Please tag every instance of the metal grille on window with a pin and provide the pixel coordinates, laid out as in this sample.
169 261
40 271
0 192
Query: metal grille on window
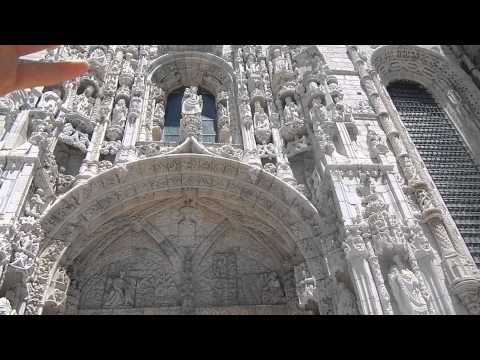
446 157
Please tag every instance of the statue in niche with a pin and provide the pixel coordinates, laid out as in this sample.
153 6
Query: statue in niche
35 205
74 138
119 114
246 114
346 304
159 115
192 105
119 118
261 123
424 199
121 292
280 64
85 101
64 181
293 128
224 132
6 308
375 144
406 289
252 66
291 110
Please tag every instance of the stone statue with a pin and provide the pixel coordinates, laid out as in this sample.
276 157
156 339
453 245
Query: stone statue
6 308
376 144
192 103
280 64
262 125
424 199
120 293
319 111
74 138
119 114
159 115
35 205
252 66
119 118
406 289
346 304
64 181
294 127
290 110
85 101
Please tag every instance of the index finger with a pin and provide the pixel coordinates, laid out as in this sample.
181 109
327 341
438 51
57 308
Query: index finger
29 49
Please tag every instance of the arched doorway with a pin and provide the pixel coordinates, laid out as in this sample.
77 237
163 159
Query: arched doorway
181 233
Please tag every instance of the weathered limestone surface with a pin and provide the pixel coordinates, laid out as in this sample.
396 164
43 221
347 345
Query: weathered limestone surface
312 200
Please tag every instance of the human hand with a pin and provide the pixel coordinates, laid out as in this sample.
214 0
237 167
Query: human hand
16 75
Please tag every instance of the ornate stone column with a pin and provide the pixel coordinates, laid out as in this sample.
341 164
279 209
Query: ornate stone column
357 256
246 118
136 111
459 270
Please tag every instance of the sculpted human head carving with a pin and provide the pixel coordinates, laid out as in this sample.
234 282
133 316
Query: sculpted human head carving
89 90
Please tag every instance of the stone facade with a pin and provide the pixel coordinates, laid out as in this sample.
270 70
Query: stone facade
312 200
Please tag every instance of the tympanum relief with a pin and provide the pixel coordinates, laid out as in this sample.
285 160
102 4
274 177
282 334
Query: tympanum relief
145 267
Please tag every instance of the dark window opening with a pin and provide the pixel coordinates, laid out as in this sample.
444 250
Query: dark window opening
446 157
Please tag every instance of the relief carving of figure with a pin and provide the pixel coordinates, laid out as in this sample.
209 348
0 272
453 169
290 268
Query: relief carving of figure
121 292
346 304
262 125
406 289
